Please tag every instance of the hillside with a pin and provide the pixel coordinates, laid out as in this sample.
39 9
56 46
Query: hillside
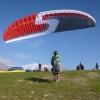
3 66
73 85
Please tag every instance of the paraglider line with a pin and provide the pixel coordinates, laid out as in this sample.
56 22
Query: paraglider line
72 41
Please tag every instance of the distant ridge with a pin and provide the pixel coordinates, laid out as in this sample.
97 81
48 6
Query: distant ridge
35 66
3 66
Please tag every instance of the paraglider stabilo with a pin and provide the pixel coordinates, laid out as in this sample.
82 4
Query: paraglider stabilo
47 22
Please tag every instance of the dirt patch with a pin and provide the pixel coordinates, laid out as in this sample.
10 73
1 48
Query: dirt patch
20 80
93 75
80 81
4 97
93 96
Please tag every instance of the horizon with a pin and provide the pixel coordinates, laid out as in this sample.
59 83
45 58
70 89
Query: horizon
74 46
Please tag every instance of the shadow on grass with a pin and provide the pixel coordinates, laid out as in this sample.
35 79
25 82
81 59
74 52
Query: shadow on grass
38 80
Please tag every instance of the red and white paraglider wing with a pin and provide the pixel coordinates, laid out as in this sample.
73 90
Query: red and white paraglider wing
47 22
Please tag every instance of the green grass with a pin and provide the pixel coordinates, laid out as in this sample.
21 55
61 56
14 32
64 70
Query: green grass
73 85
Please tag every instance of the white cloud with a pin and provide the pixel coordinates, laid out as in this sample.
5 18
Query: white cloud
36 43
35 66
8 62
19 55
30 66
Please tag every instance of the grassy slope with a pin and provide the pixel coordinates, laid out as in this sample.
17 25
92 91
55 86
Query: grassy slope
74 85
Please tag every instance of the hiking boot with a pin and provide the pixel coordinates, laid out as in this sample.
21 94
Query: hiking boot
57 80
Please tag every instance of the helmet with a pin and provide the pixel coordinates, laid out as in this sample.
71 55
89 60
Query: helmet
55 53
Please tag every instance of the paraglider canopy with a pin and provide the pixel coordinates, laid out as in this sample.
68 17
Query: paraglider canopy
47 22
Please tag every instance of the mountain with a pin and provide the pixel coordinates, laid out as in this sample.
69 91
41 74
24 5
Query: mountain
3 66
35 66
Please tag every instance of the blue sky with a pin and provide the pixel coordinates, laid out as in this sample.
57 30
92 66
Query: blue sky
81 45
